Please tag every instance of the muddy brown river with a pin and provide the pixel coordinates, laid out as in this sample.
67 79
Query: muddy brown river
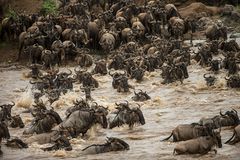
170 105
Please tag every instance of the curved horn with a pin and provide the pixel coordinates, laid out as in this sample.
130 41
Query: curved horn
13 104
133 68
39 76
227 78
135 92
138 105
31 82
95 103
220 59
221 113
235 111
127 102
204 76
70 72
75 69
125 73
85 4
110 73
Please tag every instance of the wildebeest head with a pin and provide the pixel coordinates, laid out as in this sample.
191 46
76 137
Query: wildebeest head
16 143
61 142
53 95
6 111
89 81
16 121
140 96
64 75
126 115
80 74
122 105
233 114
100 118
217 138
210 80
112 144
4 132
117 144
140 115
117 63
137 73
116 76
35 70
215 64
100 108
233 81
84 60
123 86
101 68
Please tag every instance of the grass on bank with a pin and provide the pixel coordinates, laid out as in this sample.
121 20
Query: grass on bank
49 7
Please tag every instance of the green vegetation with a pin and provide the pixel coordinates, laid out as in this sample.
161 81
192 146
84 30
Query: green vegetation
49 7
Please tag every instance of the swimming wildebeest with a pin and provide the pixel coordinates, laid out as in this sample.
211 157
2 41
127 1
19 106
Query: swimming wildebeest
185 132
200 145
112 144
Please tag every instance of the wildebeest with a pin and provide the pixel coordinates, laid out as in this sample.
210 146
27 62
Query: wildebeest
112 144
4 133
229 118
100 68
233 81
235 137
6 110
44 121
16 143
127 115
140 96
185 132
16 121
120 81
82 120
210 80
200 145
60 143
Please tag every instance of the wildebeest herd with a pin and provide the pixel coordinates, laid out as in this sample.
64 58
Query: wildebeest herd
134 39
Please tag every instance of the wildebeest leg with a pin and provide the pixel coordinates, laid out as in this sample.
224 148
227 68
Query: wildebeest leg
234 141
228 141
215 151
20 52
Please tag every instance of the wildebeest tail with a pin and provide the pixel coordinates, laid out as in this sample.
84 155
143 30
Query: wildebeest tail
167 137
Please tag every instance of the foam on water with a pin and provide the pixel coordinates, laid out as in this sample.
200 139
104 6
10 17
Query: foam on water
60 153
25 100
